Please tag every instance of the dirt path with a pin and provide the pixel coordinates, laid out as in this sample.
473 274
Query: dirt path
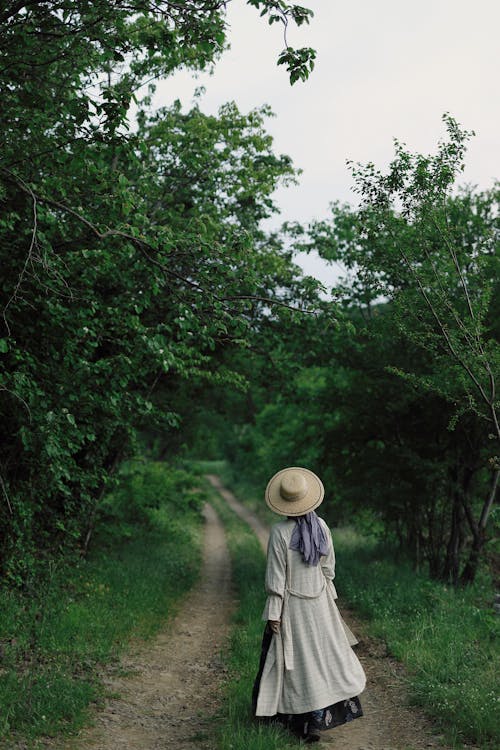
388 722
261 530
166 690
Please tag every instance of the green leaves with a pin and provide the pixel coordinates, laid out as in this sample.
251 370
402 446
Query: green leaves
132 258
299 62
426 275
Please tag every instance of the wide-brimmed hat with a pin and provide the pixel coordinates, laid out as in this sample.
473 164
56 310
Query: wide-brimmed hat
294 491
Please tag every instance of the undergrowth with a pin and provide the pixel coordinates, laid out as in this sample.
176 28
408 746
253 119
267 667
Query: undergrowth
56 632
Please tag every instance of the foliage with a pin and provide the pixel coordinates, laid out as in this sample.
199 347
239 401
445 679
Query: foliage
152 495
55 637
141 39
392 402
299 62
432 253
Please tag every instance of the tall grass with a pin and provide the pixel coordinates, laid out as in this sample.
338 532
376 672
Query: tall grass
56 634
447 638
238 730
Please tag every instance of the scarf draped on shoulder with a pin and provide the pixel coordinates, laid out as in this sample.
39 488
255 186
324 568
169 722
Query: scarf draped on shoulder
309 538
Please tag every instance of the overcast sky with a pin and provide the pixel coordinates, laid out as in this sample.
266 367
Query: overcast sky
384 69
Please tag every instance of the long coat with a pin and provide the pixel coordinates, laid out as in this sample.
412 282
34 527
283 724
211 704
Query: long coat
310 664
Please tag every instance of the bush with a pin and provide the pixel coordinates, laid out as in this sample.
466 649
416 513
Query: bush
152 495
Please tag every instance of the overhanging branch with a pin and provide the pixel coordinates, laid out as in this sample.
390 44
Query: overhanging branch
144 247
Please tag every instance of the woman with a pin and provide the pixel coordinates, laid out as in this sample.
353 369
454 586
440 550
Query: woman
309 676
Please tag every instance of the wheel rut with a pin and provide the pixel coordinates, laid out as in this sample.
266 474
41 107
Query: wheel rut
167 690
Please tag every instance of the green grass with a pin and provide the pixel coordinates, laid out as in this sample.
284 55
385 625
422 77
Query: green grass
55 636
238 730
448 639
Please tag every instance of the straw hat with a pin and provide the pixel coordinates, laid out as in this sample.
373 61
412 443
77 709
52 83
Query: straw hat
294 491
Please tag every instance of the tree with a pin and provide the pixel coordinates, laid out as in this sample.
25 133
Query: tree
432 254
127 256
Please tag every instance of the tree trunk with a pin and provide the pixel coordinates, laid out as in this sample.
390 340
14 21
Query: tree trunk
470 569
113 464
452 560
478 532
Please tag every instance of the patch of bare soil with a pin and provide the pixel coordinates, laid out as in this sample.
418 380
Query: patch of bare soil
167 690
389 723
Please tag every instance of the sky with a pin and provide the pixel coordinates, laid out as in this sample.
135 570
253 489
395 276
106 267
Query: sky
384 69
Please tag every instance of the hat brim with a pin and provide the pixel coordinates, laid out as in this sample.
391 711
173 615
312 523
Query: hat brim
311 500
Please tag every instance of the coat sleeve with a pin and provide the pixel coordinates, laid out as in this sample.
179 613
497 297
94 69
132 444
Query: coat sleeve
275 576
328 561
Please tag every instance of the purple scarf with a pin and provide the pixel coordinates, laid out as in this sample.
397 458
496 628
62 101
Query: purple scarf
309 538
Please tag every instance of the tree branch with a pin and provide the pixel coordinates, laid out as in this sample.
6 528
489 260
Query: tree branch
483 519
30 192
144 247
444 332
6 495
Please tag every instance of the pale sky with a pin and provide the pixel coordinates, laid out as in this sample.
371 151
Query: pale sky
384 69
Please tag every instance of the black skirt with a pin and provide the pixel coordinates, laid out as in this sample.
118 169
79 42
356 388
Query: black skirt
325 717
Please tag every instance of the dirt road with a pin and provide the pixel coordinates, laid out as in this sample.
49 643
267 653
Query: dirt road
167 689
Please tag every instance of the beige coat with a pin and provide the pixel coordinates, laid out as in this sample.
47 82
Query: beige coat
310 663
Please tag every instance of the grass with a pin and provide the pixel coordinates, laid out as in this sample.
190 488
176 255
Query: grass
237 729
55 636
447 638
